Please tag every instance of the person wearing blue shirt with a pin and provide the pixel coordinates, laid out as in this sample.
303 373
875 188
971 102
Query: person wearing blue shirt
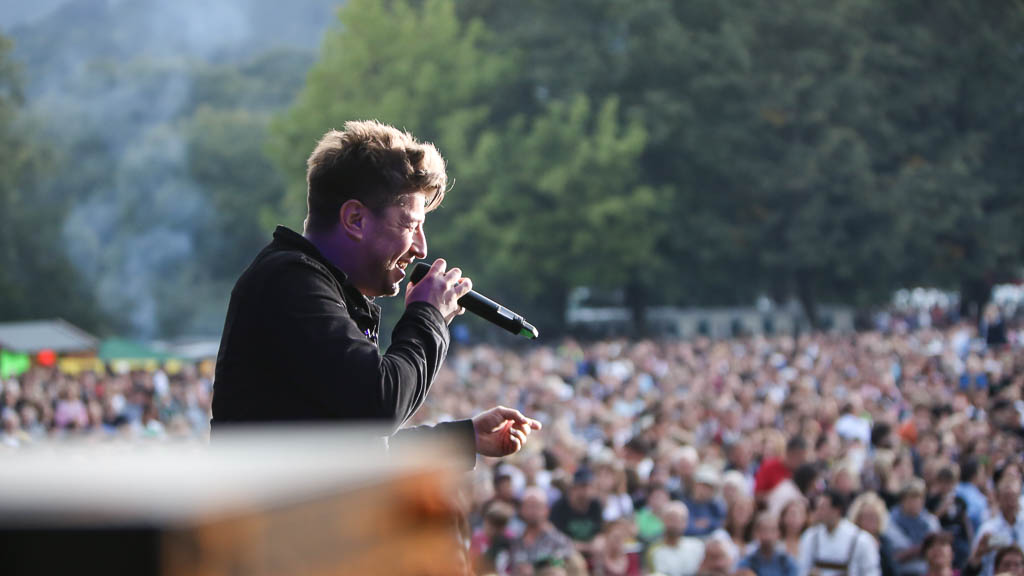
909 525
706 514
972 474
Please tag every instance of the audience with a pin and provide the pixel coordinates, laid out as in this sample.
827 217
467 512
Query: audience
657 456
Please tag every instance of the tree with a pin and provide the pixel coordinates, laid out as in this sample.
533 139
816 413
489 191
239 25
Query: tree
562 204
121 94
955 170
414 66
810 146
36 279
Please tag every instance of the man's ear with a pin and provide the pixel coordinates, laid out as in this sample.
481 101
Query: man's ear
352 218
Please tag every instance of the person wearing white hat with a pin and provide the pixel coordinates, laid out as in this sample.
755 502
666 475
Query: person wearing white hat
706 513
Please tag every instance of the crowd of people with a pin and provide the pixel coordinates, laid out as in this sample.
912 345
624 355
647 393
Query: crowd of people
45 403
881 453
874 453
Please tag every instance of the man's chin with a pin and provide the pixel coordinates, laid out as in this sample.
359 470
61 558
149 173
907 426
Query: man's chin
385 291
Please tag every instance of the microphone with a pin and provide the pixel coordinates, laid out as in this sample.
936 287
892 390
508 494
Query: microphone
485 308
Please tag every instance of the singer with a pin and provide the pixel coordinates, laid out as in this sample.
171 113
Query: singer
300 338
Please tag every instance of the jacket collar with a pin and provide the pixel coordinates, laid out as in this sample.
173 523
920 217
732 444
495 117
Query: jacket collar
365 312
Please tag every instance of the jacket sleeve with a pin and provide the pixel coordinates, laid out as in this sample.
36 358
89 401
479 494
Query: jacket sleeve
335 365
459 434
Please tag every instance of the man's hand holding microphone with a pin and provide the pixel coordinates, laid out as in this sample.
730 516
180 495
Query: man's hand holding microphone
440 288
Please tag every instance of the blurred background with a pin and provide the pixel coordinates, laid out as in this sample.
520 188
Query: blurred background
676 154
725 218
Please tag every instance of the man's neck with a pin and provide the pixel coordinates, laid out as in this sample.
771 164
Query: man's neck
832 527
333 251
328 247
672 539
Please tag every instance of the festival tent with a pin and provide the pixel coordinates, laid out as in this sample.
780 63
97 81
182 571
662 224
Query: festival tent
38 336
44 340
123 355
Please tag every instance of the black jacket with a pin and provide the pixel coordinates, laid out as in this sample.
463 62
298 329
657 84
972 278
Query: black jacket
300 345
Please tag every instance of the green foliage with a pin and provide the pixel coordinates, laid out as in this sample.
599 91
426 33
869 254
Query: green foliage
154 117
806 143
567 178
36 279
688 153
956 141
412 66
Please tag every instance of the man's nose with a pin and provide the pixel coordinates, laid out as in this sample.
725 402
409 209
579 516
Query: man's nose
419 244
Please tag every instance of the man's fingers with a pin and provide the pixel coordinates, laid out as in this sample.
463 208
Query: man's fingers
512 414
463 287
438 267
519 418
525 428
529 424
502 425
519 439
516 436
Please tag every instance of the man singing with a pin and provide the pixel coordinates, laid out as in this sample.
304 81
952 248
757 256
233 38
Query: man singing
300 338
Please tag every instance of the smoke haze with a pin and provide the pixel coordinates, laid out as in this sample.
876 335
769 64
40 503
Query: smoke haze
117 85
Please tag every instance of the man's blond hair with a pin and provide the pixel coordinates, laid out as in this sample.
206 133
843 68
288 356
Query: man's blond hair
373 163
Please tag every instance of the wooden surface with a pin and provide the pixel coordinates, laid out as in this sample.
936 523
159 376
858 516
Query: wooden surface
281 501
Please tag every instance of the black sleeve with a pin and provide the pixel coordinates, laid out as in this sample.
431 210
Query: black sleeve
336 365
459 433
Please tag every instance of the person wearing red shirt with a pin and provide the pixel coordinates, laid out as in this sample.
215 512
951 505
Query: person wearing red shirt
774 470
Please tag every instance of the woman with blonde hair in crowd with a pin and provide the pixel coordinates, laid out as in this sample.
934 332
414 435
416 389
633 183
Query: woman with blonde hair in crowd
869 513
792 523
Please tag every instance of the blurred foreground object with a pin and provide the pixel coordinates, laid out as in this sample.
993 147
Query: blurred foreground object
272 501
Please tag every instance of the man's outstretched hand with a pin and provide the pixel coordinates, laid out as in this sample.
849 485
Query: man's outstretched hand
502 431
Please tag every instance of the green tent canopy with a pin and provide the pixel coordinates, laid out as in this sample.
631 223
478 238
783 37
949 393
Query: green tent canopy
122 349
13 364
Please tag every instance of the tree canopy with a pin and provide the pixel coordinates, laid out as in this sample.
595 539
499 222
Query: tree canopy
697 153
